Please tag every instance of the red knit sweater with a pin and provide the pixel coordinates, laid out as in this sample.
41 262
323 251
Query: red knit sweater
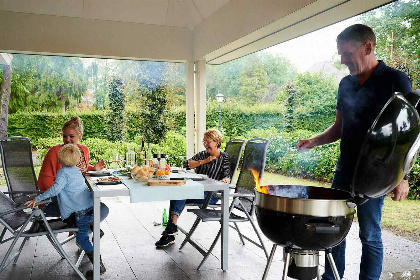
50 166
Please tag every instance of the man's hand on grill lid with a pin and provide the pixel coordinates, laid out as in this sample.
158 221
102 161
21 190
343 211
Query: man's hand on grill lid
400 191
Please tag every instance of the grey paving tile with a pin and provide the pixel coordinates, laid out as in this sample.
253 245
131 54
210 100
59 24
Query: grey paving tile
128 251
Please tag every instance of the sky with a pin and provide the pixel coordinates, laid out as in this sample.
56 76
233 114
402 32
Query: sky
312 48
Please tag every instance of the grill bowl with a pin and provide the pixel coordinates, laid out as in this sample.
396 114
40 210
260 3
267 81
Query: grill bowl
306 217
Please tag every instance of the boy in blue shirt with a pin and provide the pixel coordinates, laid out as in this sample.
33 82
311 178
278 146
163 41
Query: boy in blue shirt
73 197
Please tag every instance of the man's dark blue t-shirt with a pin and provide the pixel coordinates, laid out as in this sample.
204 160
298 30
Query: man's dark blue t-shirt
360 105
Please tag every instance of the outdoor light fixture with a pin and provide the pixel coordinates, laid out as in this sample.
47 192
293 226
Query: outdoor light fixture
220 98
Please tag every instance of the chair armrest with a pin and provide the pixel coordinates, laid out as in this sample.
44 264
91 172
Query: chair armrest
20 208
48 200
23 192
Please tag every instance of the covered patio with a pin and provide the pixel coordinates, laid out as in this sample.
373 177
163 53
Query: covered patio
195 32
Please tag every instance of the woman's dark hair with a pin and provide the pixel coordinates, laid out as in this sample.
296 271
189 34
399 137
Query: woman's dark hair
358 33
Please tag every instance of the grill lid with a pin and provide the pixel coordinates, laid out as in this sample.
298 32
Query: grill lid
389 149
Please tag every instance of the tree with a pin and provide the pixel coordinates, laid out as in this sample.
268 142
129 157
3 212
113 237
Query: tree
5 96
153 116
397 28
116 118
225 78
279 69
253 82
310 102
47 83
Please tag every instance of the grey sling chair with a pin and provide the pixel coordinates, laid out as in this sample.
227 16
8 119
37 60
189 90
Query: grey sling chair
242 207
16 157
15 220
18 169
234 150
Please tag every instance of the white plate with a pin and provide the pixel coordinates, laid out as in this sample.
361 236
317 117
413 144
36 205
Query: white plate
99 173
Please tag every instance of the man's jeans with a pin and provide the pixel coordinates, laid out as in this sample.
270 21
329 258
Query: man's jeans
177 206
369 216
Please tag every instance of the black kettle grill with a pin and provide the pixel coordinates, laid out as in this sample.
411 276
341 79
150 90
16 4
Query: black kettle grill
306 220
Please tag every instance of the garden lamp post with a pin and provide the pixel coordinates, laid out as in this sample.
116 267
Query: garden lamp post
219 98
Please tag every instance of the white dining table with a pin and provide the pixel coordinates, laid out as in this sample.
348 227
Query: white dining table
171 192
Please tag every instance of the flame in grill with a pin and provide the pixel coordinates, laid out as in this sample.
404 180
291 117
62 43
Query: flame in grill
258 187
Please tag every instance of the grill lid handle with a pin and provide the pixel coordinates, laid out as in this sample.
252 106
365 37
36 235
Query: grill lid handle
356 200
322 227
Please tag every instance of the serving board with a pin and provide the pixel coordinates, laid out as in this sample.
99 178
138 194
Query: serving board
165 182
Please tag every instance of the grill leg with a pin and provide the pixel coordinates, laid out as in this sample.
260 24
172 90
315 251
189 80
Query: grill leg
286 264
319 274
270 259
332 263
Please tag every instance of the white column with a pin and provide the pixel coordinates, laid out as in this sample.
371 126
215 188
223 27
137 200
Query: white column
200 103
190 109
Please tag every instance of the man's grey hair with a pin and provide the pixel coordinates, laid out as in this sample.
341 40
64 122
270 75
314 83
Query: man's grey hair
358 33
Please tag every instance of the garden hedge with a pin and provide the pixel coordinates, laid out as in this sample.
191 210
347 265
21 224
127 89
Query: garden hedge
46 125
317 164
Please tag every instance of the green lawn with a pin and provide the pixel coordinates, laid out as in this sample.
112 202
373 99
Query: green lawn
276 179
402 216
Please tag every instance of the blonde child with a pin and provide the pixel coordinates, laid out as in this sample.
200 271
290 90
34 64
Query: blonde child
73 197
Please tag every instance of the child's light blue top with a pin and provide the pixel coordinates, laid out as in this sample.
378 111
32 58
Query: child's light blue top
71 191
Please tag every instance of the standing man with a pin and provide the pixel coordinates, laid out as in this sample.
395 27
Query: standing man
361 96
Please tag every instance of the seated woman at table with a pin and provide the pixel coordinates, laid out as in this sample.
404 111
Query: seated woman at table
211 162
72 133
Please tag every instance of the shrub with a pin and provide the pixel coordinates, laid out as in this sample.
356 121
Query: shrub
116 117
414 181
234 122
153 117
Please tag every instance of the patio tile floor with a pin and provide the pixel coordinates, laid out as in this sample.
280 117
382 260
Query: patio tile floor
128 251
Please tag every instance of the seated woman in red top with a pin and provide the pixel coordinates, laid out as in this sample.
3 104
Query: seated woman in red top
72 133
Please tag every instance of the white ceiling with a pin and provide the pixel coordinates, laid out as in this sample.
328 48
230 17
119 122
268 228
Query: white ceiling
165 30
178 13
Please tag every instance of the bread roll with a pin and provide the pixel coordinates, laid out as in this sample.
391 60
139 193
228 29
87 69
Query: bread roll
136 169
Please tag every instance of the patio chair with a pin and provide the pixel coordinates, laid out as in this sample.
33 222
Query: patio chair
18 169
16 158
241 209
15 220
234 150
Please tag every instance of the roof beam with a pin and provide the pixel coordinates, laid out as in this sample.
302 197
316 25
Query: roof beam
68 36
295 21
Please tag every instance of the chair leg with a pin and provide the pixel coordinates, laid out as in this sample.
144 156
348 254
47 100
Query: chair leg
5 263
239 233
270 259
255 229
259 237
57 243
211 248
189 234
55 246
20 250
2 235
79 260
68 239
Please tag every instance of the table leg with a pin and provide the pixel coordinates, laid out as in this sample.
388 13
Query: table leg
96 237
225 229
